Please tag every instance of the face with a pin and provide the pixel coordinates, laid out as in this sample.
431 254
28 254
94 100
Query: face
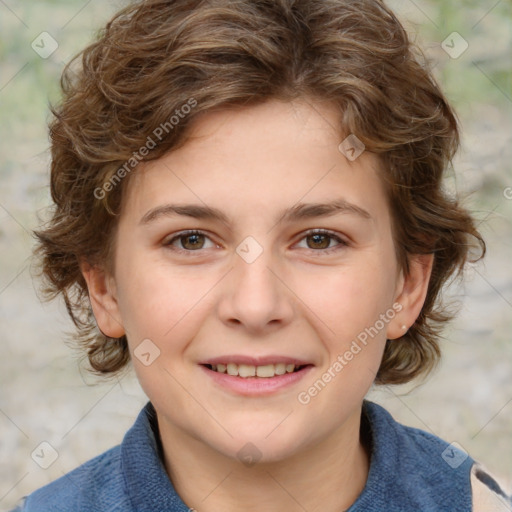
260 247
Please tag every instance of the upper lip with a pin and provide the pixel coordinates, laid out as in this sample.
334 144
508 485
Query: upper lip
254 361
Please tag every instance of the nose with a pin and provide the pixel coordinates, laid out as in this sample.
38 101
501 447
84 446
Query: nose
255 296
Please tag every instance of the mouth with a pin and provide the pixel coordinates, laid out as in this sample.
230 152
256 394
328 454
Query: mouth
246 371
255 375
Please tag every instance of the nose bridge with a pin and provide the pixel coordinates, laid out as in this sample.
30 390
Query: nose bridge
255 296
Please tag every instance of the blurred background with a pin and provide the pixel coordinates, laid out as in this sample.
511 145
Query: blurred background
46 396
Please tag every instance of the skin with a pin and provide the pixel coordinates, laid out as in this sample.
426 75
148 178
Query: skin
293 300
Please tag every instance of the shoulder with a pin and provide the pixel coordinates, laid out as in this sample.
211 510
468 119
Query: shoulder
110 481
425 450
95 485
427 471
486 493
411 469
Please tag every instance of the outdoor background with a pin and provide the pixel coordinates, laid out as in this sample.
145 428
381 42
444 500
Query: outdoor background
46 397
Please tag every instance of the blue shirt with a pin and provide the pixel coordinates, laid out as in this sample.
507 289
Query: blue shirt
410 470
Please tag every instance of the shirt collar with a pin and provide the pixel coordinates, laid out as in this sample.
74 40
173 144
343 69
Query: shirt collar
150 488
146 480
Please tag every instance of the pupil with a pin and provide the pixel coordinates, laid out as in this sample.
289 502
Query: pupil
317 239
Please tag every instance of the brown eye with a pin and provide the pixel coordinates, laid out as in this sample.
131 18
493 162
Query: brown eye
189 241
192 241
319 241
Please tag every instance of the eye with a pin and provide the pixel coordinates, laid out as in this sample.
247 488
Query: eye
189 241
320 240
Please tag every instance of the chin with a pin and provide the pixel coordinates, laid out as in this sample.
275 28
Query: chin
258 447
261 453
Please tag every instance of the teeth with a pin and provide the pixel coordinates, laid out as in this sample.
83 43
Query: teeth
265 371
247 370
233 369
280 369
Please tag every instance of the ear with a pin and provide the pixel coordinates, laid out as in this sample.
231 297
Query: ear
102 294
411 293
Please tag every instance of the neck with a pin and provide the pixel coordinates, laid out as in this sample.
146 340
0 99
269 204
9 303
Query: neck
327 477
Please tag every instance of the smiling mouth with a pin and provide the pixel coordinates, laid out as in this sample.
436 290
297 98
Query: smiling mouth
246 370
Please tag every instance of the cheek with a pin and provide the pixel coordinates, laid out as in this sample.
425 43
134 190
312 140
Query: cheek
346 300
158 302
162 311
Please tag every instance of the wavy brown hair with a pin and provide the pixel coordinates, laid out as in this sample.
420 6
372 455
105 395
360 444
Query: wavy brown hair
155 55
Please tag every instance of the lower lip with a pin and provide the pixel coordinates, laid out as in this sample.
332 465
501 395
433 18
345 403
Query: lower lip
256 386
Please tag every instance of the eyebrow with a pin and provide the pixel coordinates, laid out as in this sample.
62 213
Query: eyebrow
298 212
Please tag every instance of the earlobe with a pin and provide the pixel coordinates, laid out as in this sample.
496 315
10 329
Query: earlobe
411 294
102 294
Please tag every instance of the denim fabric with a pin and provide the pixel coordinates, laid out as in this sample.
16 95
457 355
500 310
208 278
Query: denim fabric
410 470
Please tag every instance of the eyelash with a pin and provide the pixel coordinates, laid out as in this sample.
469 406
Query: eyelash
341 243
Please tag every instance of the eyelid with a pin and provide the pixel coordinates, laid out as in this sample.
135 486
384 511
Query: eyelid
167 242
342 242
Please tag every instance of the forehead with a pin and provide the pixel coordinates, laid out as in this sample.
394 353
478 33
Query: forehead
258 159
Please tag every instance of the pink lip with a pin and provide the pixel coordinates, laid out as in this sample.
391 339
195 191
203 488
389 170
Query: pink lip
255 361
255 386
